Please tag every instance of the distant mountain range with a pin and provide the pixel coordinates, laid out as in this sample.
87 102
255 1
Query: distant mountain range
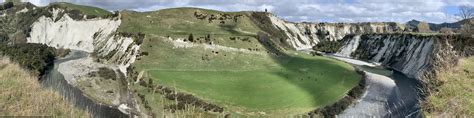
436 27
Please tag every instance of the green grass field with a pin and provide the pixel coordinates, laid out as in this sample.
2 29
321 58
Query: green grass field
241 81
301 86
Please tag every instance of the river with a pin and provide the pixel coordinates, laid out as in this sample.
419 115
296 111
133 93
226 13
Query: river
55 81
389 93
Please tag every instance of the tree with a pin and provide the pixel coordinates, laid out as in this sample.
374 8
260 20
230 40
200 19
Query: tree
466 11
467 28
191 38
423 27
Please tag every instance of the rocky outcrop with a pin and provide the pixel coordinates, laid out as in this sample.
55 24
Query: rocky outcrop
97 36
302 36
417 56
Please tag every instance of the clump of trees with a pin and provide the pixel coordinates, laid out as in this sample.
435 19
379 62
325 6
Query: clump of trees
466 13
106 73
328 46
222 17
6 5
35 57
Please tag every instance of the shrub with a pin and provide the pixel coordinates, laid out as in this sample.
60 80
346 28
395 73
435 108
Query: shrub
107 73
328 46
423 27
35 57
191 38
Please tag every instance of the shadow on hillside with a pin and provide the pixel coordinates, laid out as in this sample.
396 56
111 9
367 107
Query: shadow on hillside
299 71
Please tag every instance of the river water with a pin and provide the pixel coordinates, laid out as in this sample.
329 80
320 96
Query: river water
55 81
389 93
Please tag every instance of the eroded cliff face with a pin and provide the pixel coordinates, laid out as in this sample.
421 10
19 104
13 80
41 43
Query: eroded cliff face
418 56
97 36
302 36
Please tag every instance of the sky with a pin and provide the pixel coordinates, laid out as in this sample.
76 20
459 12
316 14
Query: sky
435 11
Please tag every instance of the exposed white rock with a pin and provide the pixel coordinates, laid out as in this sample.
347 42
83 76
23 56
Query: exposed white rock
24 10
405 53
305 35
349 47
180 43
91 35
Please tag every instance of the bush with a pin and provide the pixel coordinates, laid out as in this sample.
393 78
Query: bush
467 29
328 46
423 27
6 5
191 38
446 30
35 57
107 73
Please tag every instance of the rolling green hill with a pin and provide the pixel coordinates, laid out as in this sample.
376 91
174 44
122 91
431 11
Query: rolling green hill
224 63
87 10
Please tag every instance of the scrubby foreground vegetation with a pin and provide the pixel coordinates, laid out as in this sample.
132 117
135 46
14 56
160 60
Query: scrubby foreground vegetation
22 95
455 96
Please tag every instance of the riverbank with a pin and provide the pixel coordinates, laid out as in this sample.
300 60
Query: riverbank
55 80
388 94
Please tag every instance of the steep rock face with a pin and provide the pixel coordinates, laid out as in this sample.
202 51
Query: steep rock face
90 35
303 36
417 56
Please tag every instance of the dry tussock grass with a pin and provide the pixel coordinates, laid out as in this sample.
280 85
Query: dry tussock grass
455 96
22 95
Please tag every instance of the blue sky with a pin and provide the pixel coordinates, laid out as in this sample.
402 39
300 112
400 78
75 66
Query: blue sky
436 11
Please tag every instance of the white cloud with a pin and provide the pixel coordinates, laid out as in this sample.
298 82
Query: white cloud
302 10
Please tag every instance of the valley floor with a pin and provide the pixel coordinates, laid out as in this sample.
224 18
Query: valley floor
255 83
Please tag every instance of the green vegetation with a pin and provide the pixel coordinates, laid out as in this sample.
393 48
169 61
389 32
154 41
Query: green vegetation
455 96
182 22
225 64
288 85
35 57
22 95
86 10
302 85
328 46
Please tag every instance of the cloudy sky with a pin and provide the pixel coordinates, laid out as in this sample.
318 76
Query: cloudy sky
436 11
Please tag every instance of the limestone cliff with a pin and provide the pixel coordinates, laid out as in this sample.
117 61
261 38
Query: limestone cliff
97 36
418 56
301 36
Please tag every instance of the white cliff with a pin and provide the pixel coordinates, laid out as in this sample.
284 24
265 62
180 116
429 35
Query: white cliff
349 47
302 36
90 35
408 54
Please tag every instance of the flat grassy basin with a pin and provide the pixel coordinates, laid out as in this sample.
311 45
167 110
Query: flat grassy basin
299 85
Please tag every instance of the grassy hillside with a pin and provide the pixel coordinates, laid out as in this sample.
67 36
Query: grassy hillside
182 22
225 64
455 96
21 95
87 10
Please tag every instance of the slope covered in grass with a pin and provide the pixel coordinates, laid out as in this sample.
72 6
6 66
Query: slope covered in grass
87 10
22 95
225 64
456 94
